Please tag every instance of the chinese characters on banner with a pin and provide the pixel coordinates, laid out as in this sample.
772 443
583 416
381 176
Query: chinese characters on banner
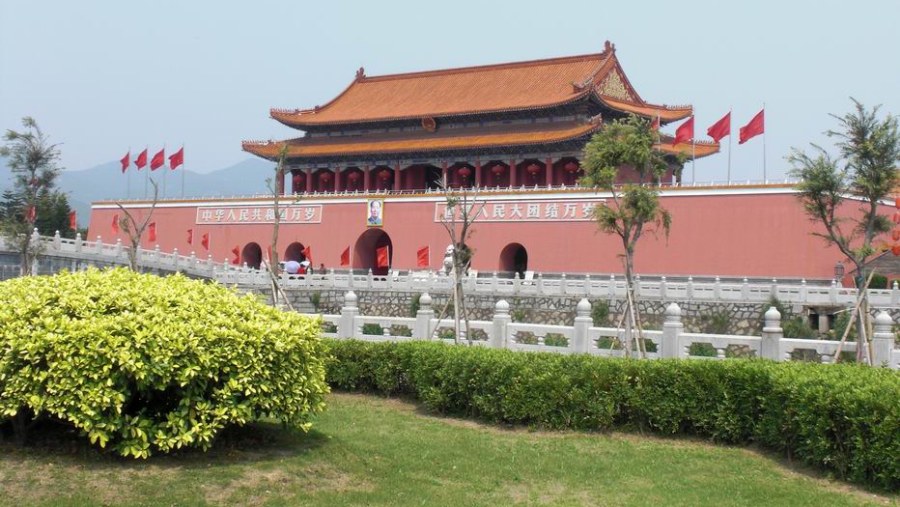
305 214
571 210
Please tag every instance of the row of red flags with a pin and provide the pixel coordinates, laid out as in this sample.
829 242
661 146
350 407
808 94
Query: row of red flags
756 126
382 254
176 159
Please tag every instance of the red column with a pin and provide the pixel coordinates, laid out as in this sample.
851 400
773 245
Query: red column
366 178
279 183
512 172
549 170
477 173
397 177
337 179
308 180
444 179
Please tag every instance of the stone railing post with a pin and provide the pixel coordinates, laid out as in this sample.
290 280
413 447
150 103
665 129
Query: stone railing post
690 288
717 289
349 312
637 286
803 291
587 285
662 288
774 289
57 241
562 285
612 286
671 335
98 246
770 348
422 328
882 340
745 291
78 242
369 279
833 293
501 321
118 250
581 333
895 293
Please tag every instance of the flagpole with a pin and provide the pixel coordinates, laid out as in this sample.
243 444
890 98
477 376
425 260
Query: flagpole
146 173
182 170
164 170
128 177
693 163
729 145
765 179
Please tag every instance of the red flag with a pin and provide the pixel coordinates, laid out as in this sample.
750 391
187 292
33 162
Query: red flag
685 132
720 128
141 159
126 161
190 236
345 257
204 241
115 224
237 255
73 222
381 257
422 257
30 214
158 160
176 159
756 127
307 252
151 234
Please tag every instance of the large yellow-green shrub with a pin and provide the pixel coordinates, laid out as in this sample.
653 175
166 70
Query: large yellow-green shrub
143 363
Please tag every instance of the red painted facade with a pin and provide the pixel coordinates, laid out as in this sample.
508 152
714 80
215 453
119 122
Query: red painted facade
736 231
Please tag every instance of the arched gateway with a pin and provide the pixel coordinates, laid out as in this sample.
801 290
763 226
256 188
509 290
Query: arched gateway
365 252
251 255
514 258
294 252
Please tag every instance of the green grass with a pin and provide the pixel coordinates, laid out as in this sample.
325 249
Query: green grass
371 451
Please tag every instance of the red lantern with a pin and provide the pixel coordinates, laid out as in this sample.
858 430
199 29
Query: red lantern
896 234
896 217
297 179
533 169
498 170
464 172
325 177
571 167
353 177
895 250
384 174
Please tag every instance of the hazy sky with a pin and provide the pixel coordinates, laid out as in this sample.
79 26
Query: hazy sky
103 76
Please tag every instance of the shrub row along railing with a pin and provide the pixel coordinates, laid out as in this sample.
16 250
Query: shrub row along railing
584 338
843 418
587 286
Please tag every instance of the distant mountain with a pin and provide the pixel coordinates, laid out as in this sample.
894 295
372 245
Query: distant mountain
106 182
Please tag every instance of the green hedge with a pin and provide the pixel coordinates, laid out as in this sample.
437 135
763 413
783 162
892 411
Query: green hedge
144 364
843 418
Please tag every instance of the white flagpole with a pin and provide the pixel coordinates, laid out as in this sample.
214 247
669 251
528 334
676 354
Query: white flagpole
128 177
182 170
164 171
146 172
765 178
729 145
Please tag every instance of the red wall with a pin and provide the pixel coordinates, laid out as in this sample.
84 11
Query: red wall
730 234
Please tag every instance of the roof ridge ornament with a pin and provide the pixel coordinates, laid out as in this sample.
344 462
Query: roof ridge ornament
360 73
609 46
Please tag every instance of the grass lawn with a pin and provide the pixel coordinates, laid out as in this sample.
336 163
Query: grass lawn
372 451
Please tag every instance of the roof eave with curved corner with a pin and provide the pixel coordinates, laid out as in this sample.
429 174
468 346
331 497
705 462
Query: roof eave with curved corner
355 146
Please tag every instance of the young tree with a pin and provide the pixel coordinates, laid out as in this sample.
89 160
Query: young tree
462 209
627 143
866 173
134 226
34 163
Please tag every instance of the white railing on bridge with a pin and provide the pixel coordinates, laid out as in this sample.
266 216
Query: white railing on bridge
592 287
583 337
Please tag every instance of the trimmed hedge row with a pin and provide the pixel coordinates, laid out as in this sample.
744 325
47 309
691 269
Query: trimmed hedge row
843 418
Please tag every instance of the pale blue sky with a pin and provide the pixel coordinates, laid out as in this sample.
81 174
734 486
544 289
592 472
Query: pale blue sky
103 76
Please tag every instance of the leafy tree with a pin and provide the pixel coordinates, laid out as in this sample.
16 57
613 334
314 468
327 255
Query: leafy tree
33 201
865 173
627 143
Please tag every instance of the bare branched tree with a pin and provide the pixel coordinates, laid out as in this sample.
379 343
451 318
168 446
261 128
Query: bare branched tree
134 226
